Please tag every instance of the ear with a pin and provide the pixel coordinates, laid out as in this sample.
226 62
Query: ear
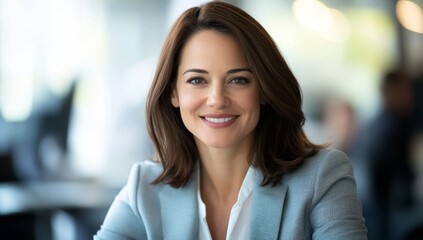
174 98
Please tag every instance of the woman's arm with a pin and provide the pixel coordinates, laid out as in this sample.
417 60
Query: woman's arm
336 211
123 221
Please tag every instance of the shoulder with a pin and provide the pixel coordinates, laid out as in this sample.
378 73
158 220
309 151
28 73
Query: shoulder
146 171
329 166
321 170
128 215
328 155
322 191
140 180
142 175
326 160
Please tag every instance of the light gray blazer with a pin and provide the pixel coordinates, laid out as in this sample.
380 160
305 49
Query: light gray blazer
317 201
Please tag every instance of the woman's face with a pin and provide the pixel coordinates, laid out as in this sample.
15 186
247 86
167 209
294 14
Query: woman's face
216 92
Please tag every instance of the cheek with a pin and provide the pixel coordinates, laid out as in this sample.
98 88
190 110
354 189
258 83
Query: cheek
256 111
188 101
251 104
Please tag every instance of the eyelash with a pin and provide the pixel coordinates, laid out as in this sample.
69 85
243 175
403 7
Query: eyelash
235 80
243 79
192 80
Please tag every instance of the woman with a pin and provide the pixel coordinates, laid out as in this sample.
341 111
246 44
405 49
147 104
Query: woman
224 113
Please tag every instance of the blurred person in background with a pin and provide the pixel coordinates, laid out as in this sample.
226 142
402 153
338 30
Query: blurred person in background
416 152
415 218
381 152
233 162
339 123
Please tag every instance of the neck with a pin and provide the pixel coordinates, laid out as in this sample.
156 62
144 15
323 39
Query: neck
222 174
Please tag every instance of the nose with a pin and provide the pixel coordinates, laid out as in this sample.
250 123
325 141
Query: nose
217 96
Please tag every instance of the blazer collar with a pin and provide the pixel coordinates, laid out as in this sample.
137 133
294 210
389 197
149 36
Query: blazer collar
180 210
267 209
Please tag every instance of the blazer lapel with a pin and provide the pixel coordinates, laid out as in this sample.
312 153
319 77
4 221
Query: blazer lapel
267 209
180 211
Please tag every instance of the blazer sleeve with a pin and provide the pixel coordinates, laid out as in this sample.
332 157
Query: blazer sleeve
123 221
336 211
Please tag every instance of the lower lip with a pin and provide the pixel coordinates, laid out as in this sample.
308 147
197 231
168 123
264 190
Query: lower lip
219 125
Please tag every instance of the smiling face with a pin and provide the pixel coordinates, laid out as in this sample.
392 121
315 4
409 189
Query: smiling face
216 92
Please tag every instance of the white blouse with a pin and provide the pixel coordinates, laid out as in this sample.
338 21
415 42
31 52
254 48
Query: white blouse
239 219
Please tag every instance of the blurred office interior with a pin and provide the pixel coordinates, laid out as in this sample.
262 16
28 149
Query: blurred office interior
74 75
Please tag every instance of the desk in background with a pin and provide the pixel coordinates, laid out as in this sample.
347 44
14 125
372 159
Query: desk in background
42 201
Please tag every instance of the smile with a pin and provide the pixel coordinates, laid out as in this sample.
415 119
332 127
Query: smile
219 120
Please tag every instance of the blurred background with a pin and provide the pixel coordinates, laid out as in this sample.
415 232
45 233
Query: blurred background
74 75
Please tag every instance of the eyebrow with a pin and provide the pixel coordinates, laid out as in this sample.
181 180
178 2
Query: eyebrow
235 70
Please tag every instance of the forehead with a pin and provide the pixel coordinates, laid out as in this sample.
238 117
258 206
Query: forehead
208 48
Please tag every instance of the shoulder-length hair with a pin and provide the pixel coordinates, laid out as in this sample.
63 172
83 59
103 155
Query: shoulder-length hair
280 144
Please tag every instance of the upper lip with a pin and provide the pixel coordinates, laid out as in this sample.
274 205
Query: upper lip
213 115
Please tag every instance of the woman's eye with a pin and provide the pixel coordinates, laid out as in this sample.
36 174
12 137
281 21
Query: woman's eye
239 81
195 81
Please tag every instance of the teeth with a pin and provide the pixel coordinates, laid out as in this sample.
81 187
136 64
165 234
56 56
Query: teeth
219 120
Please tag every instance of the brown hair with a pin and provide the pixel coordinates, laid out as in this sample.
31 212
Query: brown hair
280 144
